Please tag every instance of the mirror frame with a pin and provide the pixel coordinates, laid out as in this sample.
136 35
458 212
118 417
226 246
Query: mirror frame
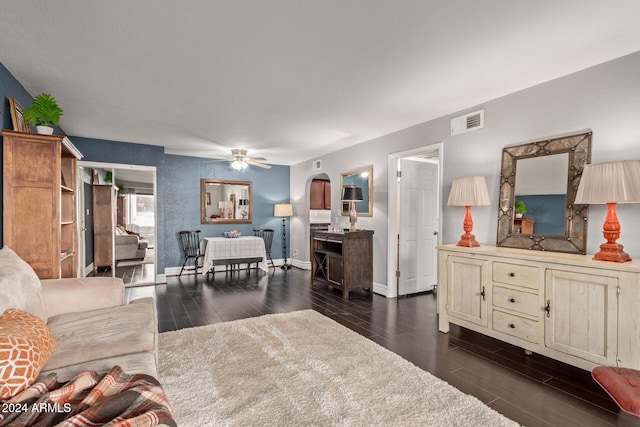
203 202
574 239
344 206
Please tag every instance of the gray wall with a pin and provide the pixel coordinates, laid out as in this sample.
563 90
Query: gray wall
605 99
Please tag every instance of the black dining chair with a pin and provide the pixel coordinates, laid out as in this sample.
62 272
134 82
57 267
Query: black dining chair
190 241
267 236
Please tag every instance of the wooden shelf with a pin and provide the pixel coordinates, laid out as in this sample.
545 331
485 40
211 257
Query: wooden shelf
36 203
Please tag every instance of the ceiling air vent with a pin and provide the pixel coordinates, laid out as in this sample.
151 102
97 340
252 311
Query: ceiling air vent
467 123
316 165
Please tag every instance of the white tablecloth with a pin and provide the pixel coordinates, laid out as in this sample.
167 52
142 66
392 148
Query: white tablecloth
233 248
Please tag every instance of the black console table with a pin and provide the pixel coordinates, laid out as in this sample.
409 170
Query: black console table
343 260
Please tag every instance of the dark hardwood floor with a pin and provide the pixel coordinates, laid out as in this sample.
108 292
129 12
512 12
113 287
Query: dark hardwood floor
532 390
131 275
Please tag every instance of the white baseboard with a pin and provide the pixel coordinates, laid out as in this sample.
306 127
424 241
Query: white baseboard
304 265
380 289
174 271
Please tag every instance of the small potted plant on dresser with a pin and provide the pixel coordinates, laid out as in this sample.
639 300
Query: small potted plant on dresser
521 209
44 113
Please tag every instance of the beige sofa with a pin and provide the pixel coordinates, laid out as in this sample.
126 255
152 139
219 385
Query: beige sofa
130 245
94 328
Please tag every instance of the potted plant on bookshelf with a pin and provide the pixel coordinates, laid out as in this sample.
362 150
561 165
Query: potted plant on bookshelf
521 209
44 113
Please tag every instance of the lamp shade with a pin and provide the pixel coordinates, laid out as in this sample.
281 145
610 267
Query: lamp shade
352 193
611 182
469 191
283 209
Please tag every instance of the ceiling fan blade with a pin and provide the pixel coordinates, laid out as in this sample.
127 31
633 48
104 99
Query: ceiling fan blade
260 165
257 159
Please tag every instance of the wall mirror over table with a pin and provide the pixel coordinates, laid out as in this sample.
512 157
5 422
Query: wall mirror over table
225 202
541 178
362 178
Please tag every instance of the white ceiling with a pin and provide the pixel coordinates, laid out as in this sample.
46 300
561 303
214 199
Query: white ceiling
291 80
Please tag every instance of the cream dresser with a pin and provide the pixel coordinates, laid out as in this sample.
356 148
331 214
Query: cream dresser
568 307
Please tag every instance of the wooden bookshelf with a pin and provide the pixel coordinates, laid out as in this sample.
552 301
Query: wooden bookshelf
40 202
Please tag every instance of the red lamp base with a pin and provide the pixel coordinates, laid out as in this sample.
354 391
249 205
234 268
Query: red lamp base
612 252
468 241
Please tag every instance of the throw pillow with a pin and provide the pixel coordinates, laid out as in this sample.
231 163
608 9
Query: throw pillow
20 286
26 343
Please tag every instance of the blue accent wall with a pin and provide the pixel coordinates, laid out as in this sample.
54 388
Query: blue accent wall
548 210
178 192
181 183
10 87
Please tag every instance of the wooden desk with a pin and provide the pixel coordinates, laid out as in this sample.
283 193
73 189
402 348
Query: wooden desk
230 251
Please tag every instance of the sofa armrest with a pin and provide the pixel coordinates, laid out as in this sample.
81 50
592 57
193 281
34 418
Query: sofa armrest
81 294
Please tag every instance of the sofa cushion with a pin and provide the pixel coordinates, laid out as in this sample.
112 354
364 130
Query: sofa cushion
26 343
72 295
19 285
103 334
137 363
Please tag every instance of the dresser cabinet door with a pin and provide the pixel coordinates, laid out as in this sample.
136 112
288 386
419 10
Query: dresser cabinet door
581 315
467 289
334 270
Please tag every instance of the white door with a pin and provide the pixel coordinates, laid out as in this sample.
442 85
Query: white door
418 226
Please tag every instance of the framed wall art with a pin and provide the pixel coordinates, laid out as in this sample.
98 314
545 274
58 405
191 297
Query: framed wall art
20 124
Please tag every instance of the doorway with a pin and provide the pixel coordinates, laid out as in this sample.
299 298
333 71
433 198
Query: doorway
415 179
117 235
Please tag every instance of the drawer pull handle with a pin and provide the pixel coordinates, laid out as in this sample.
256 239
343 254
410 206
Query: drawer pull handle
512 300
548 308
512 274
512 326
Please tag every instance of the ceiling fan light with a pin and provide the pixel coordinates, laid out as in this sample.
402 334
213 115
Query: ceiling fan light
244 164
237 165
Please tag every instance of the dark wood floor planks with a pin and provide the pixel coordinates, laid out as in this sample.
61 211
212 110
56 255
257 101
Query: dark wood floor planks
532 390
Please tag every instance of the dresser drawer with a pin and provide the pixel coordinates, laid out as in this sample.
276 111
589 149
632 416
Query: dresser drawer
513 274
516 326
522 302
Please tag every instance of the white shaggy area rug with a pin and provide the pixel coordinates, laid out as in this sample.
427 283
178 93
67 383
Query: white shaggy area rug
303 369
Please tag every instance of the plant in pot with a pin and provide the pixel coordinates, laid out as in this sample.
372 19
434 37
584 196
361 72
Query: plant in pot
44 113
521 209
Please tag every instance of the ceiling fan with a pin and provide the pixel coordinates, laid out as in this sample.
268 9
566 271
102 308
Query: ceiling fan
239 160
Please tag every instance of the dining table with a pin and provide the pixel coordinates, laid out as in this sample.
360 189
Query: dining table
232 251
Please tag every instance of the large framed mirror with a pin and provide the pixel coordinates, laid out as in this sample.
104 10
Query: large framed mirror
362 178
225 202
540 179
